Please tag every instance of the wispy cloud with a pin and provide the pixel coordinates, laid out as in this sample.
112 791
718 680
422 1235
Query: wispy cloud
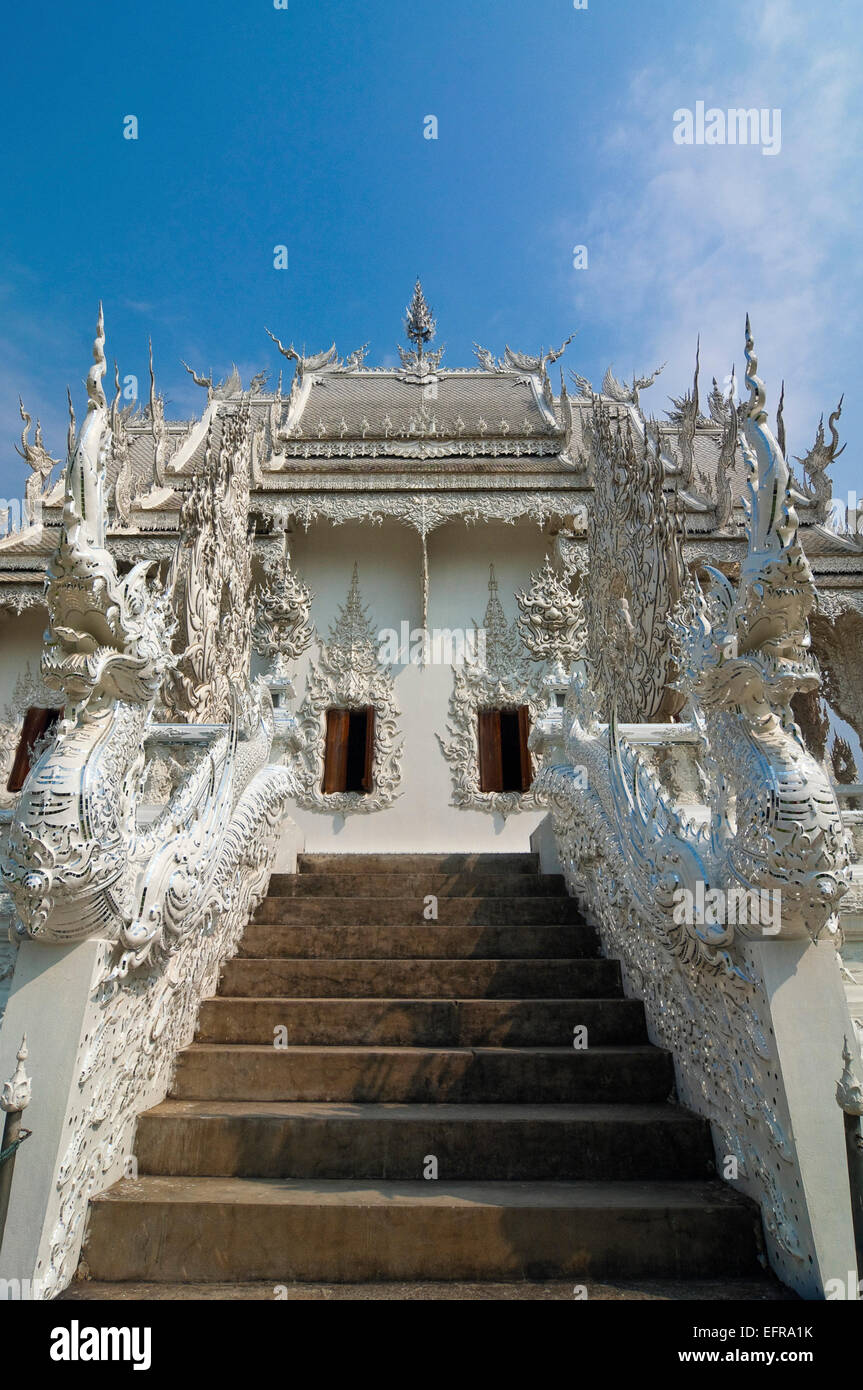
694 236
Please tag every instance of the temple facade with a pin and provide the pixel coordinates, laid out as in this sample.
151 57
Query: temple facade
434 620
396 522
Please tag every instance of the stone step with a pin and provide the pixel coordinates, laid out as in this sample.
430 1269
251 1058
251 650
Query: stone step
421 979
334 885
411 911
423 1022
214 1071
211 1229
488 863
486 1143
726 1290
428 942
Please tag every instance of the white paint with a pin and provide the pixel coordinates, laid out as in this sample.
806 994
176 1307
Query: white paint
389 558
53 984
810 1020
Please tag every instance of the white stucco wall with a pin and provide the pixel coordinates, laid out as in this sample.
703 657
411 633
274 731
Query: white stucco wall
389 558
389 561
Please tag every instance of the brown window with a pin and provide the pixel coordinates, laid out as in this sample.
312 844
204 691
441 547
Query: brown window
37 722
350 747
504 758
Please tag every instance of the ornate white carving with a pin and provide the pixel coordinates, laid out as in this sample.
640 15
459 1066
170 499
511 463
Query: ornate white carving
636 570
282 628
168 901
211 579
29 691
68 868
424 511
16 1093
76 863
416 365
818 486
627 393
147 1016
552 623
349 674
772 824
40 462
497 673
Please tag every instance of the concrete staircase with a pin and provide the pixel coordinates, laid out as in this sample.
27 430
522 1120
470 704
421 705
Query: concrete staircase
416 1046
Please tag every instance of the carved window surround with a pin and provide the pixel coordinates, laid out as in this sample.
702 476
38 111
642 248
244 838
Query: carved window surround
349 675
503 678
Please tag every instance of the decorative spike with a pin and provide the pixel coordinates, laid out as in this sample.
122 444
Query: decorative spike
205 381
84 517
24 451
757 394
834 433
289 352
695 377
116 397
70 432
152 383
95 393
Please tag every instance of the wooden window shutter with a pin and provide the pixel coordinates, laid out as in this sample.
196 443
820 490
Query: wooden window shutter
490 752
37 721
524 751
336 752
369 764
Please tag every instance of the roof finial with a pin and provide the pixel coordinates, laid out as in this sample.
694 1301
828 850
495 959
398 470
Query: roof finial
419 320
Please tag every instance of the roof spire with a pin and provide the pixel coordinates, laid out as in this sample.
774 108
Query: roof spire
419 320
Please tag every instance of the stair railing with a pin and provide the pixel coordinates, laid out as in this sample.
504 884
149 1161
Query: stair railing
124 919
717 884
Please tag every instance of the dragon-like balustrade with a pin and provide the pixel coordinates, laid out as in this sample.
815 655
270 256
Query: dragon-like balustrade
722 906
140 913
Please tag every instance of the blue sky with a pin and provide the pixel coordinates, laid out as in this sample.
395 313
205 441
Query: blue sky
304 127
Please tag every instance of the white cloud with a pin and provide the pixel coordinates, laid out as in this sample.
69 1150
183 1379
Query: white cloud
694 236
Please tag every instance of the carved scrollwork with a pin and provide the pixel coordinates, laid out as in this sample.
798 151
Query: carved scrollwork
498 674
772 829
210 581
349 674
636 571
552 623
30 690
282 628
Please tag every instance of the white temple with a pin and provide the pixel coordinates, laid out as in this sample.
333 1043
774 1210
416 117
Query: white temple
440 711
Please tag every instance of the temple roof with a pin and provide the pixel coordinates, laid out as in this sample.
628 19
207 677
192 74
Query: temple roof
382 404
419 440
